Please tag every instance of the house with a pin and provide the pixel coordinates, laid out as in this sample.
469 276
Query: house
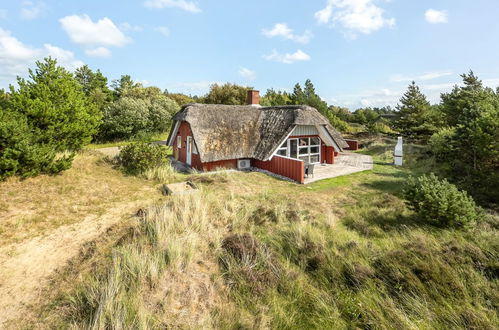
279 139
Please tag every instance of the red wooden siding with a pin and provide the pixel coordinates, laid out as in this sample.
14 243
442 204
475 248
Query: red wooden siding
353 144
288 167
184 131
230 163
329 155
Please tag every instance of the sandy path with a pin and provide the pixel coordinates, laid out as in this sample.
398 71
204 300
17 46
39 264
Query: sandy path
26 267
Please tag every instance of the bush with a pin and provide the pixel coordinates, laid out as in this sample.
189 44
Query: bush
440 203
130 117
137 158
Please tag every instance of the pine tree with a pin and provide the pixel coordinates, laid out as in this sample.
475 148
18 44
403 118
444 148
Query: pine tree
309 97
57 110
416 116
472 142
45 117
94 85
298 96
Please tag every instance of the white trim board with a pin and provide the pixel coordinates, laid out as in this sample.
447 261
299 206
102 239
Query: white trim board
174 134
324 134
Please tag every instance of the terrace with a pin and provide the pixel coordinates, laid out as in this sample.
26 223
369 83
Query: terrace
345 163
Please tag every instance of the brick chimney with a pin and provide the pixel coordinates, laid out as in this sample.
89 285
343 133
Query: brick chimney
253 97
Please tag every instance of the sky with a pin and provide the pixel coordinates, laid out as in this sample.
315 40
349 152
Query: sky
356 52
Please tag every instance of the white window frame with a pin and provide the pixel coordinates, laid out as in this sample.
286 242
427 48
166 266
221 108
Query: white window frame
179 142
308 147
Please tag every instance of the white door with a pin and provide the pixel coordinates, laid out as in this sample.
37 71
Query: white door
188 157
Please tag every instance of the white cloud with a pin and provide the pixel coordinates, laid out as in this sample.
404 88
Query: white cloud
64 57
391 96
163 30
424 76
82 30
31 10
129 27
247 73
287 58
189 6
354 16
16 57
436 16
98 52
282 30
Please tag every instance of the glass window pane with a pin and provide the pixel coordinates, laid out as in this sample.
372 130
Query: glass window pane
282 152
303 150
304 158
315 141
314 150
303 141
293 148
284 144
314 159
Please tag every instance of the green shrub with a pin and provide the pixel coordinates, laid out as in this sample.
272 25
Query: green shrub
440 203
130 117
137 158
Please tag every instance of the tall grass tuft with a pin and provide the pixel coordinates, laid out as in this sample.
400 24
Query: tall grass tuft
165 239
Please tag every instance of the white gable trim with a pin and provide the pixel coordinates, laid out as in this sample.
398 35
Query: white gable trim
280 142
174 134
326 137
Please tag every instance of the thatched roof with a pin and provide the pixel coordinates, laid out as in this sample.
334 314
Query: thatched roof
243 131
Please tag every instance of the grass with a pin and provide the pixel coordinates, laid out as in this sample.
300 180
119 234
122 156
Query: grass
33 206
251 251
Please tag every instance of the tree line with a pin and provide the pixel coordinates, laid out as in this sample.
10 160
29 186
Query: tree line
54 113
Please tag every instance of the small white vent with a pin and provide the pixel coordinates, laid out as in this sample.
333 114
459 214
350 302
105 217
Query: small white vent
243 163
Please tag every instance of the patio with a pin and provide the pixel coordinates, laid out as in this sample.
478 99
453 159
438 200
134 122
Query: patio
345 163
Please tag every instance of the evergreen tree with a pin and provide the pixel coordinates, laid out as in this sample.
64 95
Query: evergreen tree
58 112
469 149
417 118
94 85
45 117
122 86
308 96
298 96
273 98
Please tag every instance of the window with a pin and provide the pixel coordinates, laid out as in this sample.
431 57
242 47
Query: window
179 141
282 152
293 148
305 148
194 148
283 149
314 159
303 151
308 149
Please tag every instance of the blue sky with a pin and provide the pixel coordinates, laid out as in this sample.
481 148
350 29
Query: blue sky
357 52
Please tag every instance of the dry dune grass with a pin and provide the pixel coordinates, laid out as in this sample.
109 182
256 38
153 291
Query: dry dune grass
252 252
33 206
45 221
